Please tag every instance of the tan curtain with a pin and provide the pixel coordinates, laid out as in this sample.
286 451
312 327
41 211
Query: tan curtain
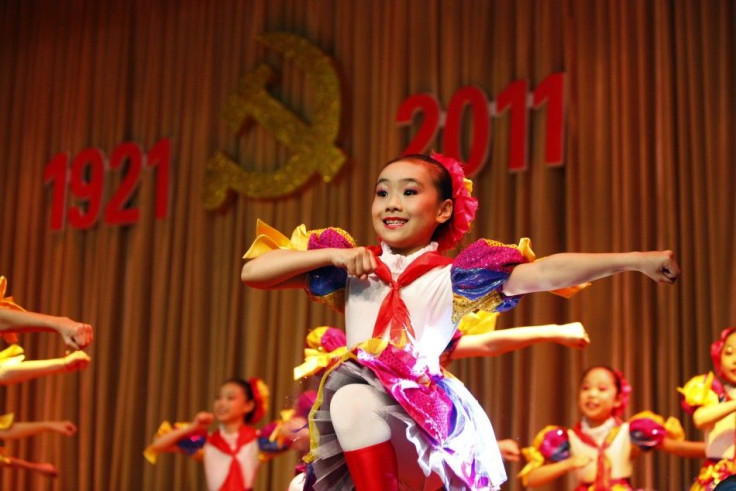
648 148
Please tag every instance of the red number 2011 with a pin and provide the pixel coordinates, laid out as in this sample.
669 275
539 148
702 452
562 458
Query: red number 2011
514 99
86 179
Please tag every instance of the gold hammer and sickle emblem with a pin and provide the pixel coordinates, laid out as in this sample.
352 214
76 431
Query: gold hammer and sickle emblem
313 144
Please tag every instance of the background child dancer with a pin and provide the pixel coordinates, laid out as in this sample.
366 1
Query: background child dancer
600 448
230 453
402 303
711 400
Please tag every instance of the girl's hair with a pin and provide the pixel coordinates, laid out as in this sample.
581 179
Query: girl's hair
441 179
251 394
623 388
717 347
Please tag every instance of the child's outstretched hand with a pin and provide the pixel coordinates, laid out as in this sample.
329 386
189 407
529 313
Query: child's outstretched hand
510 450
203 419
358 261
572 335
66 428
77 360
76 335
46 469
660 266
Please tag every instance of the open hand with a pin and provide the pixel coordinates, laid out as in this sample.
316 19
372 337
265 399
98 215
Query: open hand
572 335
358 261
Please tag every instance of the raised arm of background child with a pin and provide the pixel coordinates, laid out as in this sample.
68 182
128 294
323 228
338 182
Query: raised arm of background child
40 467
76 334
549 472
25 429
26 370
708 415
569 268
167 442
502 341
683 448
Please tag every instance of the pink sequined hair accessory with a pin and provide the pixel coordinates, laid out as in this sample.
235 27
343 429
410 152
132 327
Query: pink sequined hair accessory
625 393
717 347
464 205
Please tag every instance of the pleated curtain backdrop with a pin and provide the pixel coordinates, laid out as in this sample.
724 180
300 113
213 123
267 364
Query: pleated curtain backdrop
649 144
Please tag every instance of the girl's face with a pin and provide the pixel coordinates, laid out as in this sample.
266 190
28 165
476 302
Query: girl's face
231 404
728 359
406 206
598 396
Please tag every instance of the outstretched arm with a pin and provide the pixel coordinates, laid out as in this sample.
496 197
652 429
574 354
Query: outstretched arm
76 335
285 268
23 430
502 341
567 269
40 467
708 415
167 442
549 472
26 370
683 448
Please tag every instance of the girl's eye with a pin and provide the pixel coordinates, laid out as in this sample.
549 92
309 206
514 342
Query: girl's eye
381 193
410 192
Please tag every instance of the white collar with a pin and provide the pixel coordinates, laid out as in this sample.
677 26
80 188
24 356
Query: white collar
397 262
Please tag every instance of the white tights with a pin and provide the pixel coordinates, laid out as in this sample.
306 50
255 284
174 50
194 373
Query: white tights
359 416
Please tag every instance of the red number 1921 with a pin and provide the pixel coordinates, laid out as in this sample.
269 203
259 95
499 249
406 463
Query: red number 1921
86 179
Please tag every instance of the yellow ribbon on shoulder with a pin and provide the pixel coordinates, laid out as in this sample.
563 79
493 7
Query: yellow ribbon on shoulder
6 420
525 247
269 239
8 303
698 391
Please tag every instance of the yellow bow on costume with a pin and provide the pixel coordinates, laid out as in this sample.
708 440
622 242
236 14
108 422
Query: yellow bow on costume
8 303
698 392
269 239
525 247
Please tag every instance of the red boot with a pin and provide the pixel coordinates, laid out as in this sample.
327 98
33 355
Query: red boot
373 468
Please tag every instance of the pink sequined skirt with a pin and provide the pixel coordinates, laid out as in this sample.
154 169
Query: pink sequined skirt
439 430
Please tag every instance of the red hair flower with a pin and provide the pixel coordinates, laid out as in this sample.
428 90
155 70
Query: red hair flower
464 205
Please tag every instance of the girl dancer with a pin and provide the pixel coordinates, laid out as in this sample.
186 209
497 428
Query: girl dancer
600 448
402 300
711 400
230 453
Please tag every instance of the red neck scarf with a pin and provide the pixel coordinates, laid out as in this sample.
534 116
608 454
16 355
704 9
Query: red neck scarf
234 480
603 466
393 313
